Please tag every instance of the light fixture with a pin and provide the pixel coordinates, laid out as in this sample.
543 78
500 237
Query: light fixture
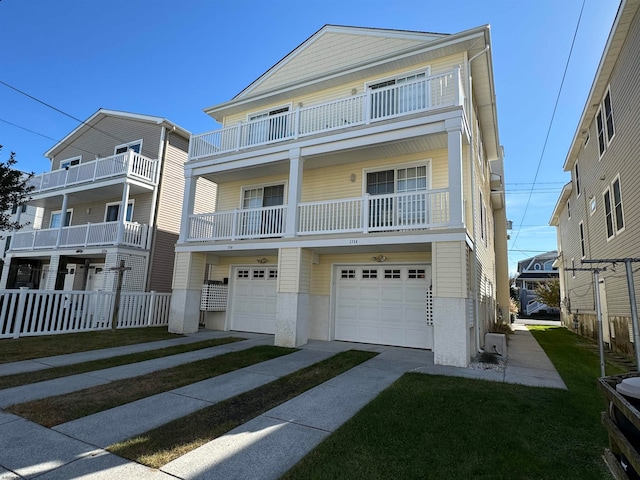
261 260
379 258
353 177
88 210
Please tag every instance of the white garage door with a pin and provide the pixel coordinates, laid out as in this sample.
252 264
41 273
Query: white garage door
389 305
253 299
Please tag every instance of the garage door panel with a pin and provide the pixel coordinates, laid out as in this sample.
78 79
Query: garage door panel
389 309
253 302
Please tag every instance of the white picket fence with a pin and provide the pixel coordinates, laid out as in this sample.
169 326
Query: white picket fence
25 312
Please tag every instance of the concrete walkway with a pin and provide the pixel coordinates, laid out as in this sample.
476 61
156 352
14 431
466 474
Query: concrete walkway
265 447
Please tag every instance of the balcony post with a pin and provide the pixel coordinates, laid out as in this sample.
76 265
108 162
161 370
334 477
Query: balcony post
63 218
122 213
239 136
365 213
297 123
188 204
296 169
234 224
130 154
456 76
367 106
86 235
454 133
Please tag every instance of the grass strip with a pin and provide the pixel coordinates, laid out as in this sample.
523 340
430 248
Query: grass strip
163 444
28 348
18 379
451 428
53 411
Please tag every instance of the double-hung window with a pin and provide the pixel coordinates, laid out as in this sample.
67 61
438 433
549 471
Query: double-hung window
402 94
260 220
113 209
56 218
604 123
613 211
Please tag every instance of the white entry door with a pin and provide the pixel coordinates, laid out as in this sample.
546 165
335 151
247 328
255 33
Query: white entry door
384 304
254 299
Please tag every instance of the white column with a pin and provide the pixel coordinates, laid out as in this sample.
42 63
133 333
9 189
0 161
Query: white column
5 272
188 274
454 144
50 282
292 310
63 217
122 212
296 169
188 203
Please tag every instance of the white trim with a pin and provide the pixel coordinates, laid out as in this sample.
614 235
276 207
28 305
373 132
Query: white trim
608 92
128 144
109 204
613 209
289 106
583 240
70 161
243 188
70 210
426 70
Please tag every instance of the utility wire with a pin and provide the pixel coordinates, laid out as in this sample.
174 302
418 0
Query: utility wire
555 107
66 114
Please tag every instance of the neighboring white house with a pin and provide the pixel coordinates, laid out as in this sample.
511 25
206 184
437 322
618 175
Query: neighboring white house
26 215
360 197
118 178
531 273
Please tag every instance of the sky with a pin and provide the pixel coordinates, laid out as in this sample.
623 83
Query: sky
173 58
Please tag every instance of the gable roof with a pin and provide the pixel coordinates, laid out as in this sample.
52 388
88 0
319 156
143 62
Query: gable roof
102 113
365 44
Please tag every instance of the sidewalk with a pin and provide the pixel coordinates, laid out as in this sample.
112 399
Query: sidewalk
265 447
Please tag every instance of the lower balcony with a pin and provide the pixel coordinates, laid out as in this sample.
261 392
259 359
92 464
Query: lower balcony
88 235
371 213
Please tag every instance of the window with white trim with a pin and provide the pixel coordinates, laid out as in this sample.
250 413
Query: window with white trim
583 250
268 126
54 221
592 205
70 162
112 210
604 123
406 93
136 146
577 178
614 213
568 209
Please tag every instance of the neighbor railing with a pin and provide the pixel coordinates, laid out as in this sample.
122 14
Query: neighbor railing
423 94
90 234
130 164
25 312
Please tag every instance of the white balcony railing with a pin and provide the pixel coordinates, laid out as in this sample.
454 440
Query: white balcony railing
371 213
130 164
90 234
422 94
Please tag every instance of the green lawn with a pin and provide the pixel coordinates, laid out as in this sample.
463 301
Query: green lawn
27 348
451 428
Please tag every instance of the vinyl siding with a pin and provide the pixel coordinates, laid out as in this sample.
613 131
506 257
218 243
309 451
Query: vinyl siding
326 95
100 142
188 270
168 215
449 269
289 274
596 175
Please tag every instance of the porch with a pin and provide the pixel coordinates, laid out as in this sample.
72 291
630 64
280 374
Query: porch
369 213
395 101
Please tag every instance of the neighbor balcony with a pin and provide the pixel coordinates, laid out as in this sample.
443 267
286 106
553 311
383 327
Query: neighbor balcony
370 213
89 235
129 164
391 102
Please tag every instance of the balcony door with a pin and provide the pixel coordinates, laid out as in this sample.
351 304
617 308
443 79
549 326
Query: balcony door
268 126
258 222
56 218
399 95
390 209
111 213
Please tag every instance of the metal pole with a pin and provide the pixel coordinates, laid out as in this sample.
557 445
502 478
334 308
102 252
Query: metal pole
634 310
596 280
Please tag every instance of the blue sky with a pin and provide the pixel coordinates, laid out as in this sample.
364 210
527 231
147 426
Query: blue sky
174 58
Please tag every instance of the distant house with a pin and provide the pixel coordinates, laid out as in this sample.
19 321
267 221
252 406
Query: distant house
28 216
597 214
533 272
360 197
114 193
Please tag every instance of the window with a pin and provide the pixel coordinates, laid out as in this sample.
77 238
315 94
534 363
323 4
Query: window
135 146
259 221
268 126
243 273
482 219
582 247
537 266
577 179
568 209
392 273
54 222
604 123
369 273
70 162
614 213
7 245
592 205
416 273
348 274
273 273
112 210
23 208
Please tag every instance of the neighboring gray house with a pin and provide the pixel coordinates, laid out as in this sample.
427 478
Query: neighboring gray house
28 216
531 273
598 213
119 180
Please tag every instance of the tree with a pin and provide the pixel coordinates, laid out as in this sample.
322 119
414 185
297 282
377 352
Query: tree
549 293
14 191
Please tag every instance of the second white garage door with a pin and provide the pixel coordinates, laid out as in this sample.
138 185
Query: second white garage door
384 304
254 299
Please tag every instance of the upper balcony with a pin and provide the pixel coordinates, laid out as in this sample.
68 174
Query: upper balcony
90 174
385 103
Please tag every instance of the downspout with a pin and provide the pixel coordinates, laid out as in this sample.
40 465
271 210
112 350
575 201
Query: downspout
476 313
155 202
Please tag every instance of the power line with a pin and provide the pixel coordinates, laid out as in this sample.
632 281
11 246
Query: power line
555 107
42 102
